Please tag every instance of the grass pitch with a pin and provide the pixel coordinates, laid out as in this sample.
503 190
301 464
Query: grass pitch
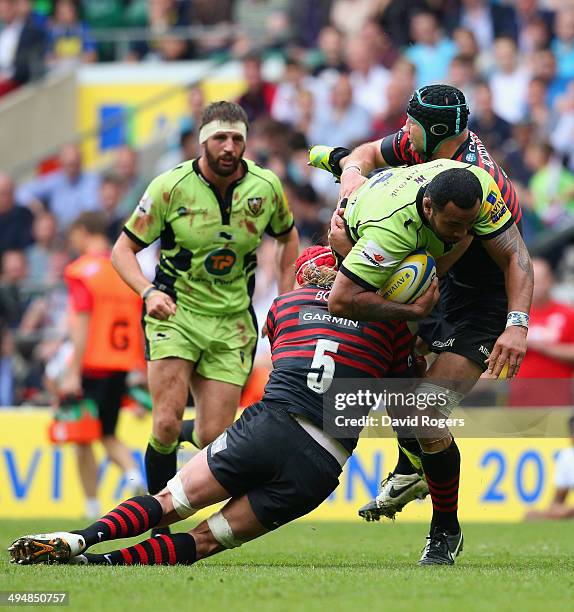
325 566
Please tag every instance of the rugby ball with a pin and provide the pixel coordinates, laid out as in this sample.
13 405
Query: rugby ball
411 278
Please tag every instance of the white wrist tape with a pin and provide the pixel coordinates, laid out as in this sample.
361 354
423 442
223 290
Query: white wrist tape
211 128
352 167
515 317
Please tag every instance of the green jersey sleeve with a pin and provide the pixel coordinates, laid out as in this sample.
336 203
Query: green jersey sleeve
494 216
281 220
369 264
148 219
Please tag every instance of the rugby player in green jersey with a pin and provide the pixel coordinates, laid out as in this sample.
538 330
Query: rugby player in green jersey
210 214
433 206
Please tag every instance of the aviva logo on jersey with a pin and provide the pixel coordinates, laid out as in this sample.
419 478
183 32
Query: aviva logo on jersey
220 262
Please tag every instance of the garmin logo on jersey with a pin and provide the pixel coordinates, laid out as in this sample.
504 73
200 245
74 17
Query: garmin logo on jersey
376 256
309 315
220 262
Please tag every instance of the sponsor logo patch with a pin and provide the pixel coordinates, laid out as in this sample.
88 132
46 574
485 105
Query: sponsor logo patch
374 255
310 315
470 157
144 205
446 343
220 262
484 350
219 444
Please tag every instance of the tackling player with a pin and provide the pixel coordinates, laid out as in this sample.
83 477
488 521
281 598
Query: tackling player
472 313
433 206
275 463
210 214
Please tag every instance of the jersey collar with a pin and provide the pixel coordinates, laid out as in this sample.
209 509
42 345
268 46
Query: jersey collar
462 147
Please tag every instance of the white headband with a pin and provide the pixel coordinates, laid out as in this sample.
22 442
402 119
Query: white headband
211 128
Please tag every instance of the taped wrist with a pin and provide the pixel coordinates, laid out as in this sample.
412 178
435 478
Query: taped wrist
335 157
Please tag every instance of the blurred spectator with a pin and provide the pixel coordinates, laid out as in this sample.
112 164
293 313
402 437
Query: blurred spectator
345 122
22 46
509 82
258 98
104 14
404 74
69 39
543 65
330 57
431 52
563 44
467 47
188 149
395 116
13 277
534 25
306 19
393 15
195 101
307 206
349 16
563 483
133 184
217 15
111 189
493 130
66 192
562 135
368 79
44 232
162 16
487 20
551 331
514 150
384 52
551 186
15 221
285 106
537 108
462 74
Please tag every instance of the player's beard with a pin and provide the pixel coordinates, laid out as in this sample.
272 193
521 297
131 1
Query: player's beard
222 170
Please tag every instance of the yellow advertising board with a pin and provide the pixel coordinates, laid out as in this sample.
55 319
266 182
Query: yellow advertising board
501 478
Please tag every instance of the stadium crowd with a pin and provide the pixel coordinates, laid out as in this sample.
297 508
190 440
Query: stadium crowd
350 67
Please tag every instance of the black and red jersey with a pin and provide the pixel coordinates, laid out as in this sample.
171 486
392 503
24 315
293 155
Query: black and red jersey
310 348
475 268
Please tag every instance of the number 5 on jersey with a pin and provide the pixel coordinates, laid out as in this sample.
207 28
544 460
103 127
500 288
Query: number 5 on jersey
322 370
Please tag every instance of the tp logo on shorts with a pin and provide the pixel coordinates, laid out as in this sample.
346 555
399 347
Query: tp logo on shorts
220 262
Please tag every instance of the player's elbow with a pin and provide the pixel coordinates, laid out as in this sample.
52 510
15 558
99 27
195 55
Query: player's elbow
339 304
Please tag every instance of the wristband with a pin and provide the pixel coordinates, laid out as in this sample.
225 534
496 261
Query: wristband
146 292
515 317
350 167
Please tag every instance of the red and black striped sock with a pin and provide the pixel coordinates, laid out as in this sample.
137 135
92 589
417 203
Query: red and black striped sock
131 518
177 548
442 471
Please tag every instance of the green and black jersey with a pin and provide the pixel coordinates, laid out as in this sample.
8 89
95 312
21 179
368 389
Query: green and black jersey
386 223
207 261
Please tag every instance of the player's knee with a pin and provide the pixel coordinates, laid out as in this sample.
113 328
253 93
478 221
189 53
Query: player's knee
166 428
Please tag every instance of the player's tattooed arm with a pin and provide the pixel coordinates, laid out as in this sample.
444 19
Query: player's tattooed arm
350 300
510 253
